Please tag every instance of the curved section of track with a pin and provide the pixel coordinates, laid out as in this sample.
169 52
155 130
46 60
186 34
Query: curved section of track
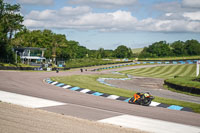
81 105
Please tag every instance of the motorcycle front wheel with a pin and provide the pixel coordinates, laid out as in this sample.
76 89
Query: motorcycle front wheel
146 102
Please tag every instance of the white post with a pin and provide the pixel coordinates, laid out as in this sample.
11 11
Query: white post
198 62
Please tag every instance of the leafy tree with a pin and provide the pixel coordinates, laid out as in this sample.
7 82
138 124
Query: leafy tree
123 52
109 53
192 47
160 49
178 48
100 53
92 53
82 52
10 22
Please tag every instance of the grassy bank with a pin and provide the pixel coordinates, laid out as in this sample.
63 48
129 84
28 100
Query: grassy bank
90 82
165 72
186 85
185 81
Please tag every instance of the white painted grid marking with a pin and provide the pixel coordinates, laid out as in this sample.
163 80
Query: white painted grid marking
27 101
150 125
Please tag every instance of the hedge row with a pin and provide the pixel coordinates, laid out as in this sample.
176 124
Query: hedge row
90 64
16 68
193 90
29 68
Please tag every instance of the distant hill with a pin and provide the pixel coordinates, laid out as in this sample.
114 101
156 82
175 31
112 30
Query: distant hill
137 50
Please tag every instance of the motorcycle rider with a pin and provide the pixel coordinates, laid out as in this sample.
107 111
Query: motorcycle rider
141 98
138 97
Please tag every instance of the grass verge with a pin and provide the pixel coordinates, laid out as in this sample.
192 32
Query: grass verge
90 82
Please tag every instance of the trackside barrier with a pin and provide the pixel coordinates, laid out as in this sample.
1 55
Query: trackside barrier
183 88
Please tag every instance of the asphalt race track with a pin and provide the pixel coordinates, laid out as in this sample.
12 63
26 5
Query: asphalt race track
83 105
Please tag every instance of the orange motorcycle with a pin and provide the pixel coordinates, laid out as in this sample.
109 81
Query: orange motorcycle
141 99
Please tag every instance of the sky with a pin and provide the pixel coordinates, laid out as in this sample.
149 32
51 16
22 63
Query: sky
110 23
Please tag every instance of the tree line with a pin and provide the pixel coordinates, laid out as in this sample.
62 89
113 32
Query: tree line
14 34
57 45
177 48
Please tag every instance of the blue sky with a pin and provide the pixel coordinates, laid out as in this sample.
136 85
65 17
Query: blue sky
110 23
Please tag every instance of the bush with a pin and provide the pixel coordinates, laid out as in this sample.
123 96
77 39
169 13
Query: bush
77 63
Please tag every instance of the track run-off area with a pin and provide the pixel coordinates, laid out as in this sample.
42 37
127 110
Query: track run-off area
28 89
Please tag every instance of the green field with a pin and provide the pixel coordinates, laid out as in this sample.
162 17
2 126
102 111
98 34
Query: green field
90 82
137 50
165 72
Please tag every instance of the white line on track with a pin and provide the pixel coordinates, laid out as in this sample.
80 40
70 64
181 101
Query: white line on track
27 101
150 125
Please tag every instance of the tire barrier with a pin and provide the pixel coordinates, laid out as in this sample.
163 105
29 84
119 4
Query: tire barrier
114 97
183 88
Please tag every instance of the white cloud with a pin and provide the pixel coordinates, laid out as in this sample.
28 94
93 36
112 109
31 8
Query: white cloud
177 17
174 7
43 15
74 11
79 18
168 14
191 3
82 18
156 25
104 3
192 15
36 2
